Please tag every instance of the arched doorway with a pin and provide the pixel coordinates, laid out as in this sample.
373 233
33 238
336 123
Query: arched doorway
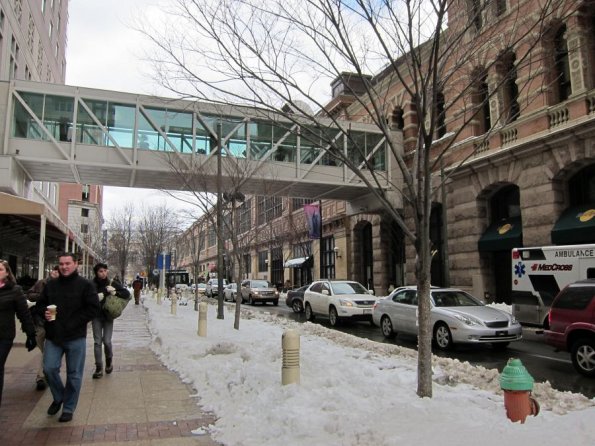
395 255
363 268
503 233
436 239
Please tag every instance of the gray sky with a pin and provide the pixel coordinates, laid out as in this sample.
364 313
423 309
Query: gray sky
103 51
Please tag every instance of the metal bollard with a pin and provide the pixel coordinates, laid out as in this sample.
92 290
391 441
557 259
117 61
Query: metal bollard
159 294
517 384
174 304
202 319
290 370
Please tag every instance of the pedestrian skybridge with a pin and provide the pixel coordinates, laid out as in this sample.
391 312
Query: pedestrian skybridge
70 134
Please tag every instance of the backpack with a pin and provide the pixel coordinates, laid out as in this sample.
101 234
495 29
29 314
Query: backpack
114 305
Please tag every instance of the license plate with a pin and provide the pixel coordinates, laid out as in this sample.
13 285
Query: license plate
367 311
502 333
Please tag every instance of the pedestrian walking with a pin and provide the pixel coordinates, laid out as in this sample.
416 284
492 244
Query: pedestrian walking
137 286
103 325
68 304
12 301
32 295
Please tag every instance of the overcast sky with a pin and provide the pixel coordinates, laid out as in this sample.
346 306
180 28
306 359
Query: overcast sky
104 51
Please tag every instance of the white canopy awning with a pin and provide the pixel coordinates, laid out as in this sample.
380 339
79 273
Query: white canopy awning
295 263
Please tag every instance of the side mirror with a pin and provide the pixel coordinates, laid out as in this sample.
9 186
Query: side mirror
325 292
371 292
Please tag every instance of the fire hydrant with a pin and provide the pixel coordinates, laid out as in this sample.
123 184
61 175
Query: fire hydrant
517 385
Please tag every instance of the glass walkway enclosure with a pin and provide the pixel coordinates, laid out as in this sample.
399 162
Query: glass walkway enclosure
80 135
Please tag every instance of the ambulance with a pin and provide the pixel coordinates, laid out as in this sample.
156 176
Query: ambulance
538 274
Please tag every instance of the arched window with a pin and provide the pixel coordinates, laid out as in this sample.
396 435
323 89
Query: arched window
562 65
397 122
581 187
440 115
510 91
475 11
481 102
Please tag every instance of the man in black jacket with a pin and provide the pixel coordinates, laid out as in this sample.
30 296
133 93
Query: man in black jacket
77 303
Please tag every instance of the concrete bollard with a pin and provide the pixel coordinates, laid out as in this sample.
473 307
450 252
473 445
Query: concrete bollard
290 370
174 304
202 319
159 294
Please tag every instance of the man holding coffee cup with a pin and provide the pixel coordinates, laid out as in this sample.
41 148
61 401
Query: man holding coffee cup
68 304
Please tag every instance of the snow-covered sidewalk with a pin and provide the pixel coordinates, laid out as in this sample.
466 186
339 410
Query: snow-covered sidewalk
353 391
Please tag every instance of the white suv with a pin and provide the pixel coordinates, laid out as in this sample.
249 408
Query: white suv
338 300
212 288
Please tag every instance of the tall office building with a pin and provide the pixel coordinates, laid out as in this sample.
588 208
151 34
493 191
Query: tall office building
33 48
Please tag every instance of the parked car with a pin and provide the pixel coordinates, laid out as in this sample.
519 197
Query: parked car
230 292
259 291
212 287
338 300
202 287
572 324
295 299
181 287
456 317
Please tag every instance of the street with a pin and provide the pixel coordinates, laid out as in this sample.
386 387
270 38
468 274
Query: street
541 361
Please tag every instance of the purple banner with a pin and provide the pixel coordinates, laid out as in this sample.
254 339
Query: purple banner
313 219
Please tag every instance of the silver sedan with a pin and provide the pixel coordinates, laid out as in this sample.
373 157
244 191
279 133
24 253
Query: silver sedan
456 317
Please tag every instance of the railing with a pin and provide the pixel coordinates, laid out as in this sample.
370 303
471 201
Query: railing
558 115
509 135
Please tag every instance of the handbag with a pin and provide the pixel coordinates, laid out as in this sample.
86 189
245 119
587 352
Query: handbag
114 305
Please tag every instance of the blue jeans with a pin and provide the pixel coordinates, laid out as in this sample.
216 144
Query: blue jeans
75 352
102 334
5 346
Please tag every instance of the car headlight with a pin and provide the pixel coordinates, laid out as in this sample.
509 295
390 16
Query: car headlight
467 320
276 293
513 320
345 303
256 293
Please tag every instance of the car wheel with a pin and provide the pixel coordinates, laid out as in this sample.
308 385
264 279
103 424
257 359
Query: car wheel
333 316
500 345
546 323
583 356
309 314
297 306
442 336
386 326
276 302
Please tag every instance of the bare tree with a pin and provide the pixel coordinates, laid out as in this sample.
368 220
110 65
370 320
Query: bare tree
234 234
156 229
120 229
266 53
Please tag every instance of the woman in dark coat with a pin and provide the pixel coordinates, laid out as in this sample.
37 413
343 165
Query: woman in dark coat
12 301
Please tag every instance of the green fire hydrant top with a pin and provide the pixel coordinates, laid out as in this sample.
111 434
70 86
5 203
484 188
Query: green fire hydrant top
515 376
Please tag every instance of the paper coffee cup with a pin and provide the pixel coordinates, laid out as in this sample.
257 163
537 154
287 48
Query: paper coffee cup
52 310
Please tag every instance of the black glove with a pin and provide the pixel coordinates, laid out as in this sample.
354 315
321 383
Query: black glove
30 343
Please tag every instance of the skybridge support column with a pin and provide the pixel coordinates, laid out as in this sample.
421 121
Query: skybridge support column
41 258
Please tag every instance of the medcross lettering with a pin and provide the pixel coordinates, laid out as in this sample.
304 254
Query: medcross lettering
552 267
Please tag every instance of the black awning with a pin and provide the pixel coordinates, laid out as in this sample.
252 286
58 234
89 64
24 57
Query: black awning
575 225
502 235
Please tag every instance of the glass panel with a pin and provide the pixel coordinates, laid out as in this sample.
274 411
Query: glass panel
261 139
287 149
148 136
378 160
58 115
356 147
236 144
180 130
23 125
88 132
310 145
203 137
121 123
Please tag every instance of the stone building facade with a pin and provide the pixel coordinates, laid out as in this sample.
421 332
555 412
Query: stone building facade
517 174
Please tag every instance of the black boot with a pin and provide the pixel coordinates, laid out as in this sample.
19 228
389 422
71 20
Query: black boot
98 372
109 367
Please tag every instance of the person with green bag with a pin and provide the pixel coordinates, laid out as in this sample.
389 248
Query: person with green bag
103 324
